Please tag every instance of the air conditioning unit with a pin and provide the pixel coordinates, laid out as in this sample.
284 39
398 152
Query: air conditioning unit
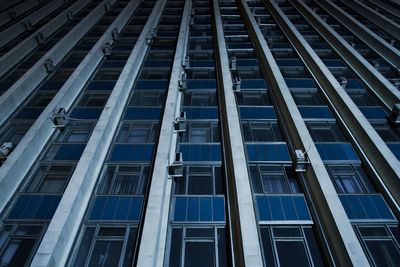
6 149
59 118
49 65
28 25
237 84
186 63
176 168
39 38
115 34
394 117
107 6
301 161
182 83
233 63
180 123
106 49
70 16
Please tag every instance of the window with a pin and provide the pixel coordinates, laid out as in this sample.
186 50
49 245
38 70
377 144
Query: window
200 180
41 99
75 133
387 133
261 131
137 132
50 178
253 99
290 246
381 243
124 180
325 132
104 245
273 179
93 100
17 243
14 132
201 132
198 246
350 179
199 99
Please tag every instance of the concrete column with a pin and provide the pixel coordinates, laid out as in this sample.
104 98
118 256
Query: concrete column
64 227
391 27
375 152
155 227
20 51
17 10
22 88
345 247
17 165
26 23
374 41
376 82
246 243
386 7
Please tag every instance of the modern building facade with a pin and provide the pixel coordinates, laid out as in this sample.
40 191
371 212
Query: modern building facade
200 133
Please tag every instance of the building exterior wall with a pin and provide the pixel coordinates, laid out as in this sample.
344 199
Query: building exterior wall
200 133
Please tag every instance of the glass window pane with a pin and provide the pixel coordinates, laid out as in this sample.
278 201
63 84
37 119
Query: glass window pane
384 252
106 253
292 253
199 254
17 251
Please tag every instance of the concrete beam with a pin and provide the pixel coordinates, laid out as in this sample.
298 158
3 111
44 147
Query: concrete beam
345 247
373 40
17 165
16 11
374 150
154 234
23 25
386 92
6 4
384 6
246 242
64 227
20 51
390 27
22 88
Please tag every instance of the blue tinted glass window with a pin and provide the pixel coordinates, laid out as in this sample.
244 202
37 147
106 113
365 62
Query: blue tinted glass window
69 152
201 84
151 85
253 84
268 152
336 152
86 113
372 113
261 113
127 152
201 152
315 112
201 113
136 113
29 113
282 208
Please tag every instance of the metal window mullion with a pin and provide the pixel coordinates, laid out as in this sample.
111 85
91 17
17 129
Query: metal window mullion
384 6
154 234
376 82
374 150
247 244
335 223
27 84
374 41
13 31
